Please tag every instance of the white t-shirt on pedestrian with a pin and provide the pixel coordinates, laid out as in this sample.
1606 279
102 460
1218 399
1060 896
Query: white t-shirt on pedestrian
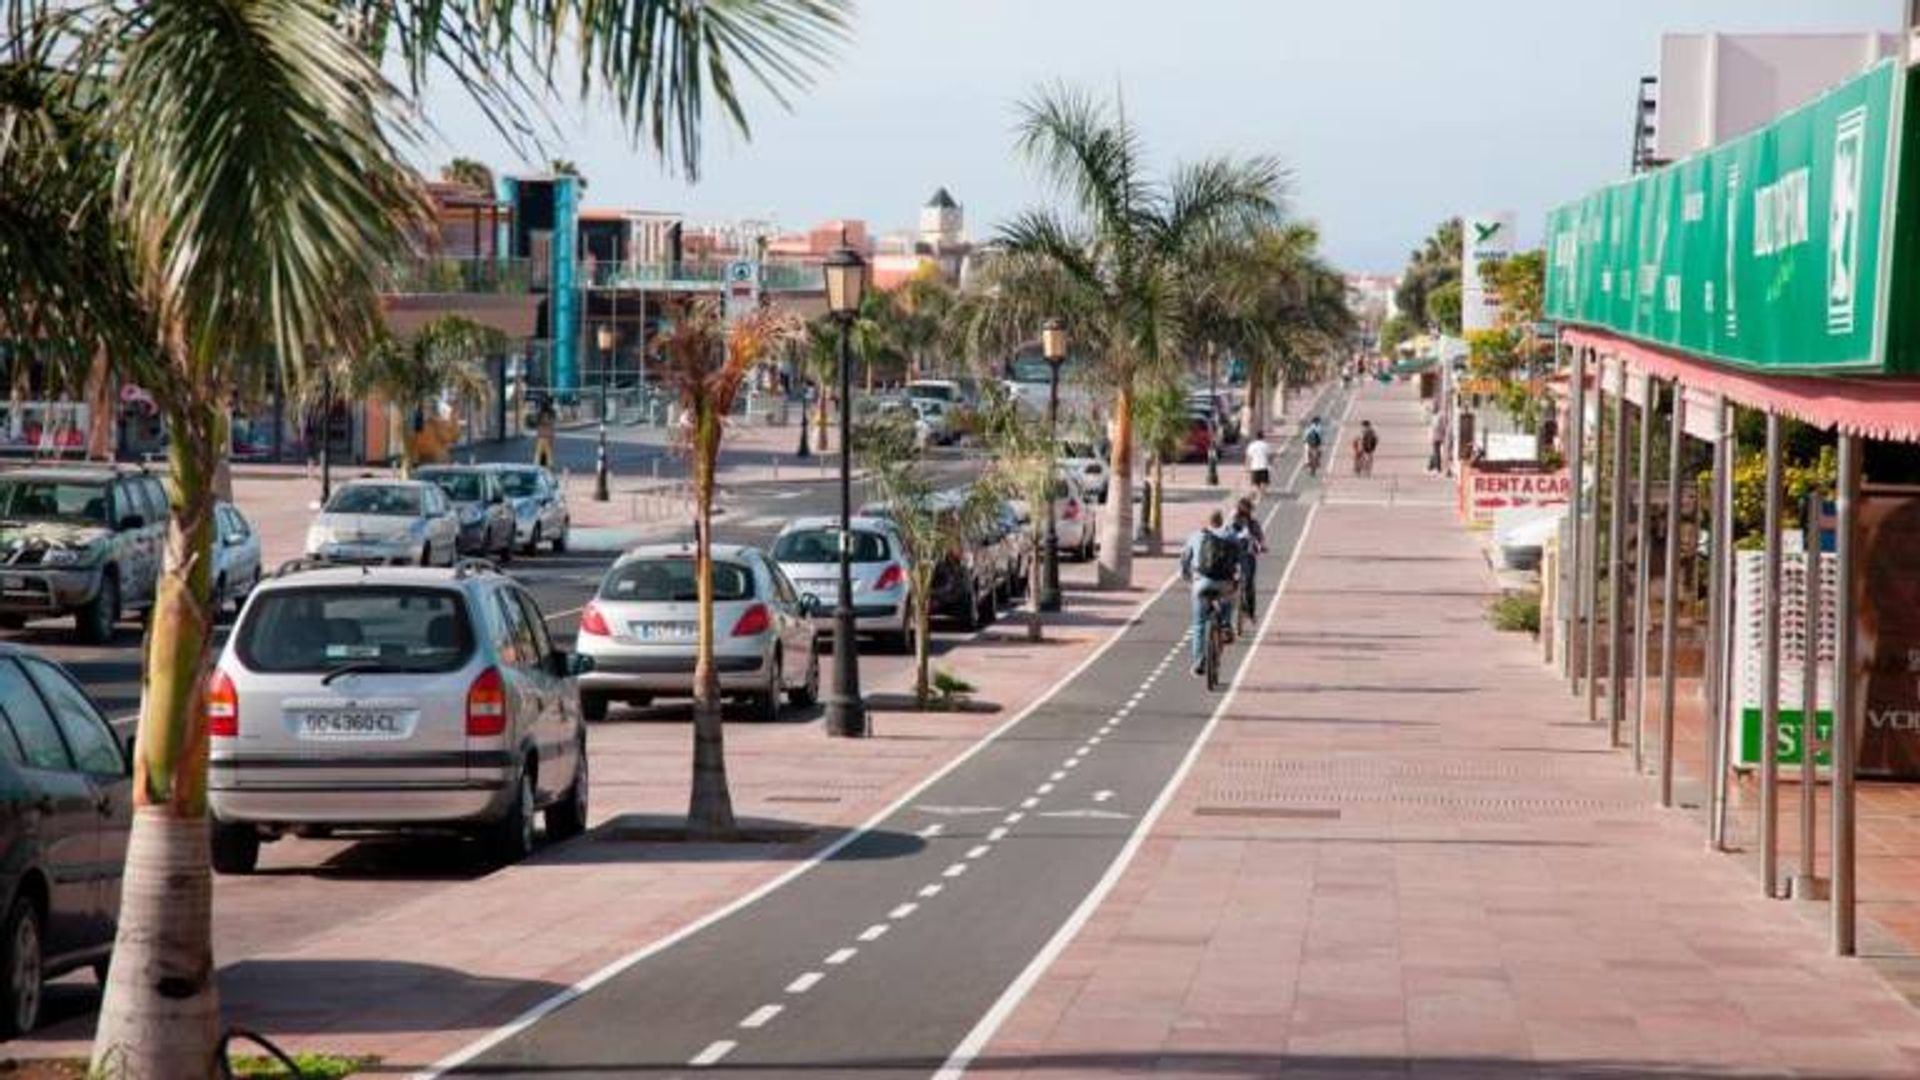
1259 454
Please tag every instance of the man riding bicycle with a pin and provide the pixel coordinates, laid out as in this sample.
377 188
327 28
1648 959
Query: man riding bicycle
1315 438
1211 562
1245 527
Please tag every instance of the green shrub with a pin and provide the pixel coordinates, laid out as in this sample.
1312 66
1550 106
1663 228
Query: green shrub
1516 613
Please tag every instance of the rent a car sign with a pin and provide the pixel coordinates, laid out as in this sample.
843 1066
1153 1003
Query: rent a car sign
1488 492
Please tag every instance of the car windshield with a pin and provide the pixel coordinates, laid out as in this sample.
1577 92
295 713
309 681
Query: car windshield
390 500
520 484
823 546
936 391
381 626
670 580
53 500
459 486
1030 371
1077 450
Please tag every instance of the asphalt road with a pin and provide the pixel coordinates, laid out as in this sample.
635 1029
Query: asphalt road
881 959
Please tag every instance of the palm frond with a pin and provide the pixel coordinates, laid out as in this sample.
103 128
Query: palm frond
1088 153
1221 195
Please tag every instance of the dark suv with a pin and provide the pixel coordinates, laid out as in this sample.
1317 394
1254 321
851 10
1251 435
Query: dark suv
80 541
65 812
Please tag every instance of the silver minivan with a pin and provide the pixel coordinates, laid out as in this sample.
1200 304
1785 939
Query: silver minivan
394 699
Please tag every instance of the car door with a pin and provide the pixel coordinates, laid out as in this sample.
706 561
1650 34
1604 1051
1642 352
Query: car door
521 667
57 806
559 703
795 628
98 756
553 513
443 529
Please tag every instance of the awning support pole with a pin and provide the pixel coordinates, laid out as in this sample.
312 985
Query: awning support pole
1573 573
1643 574
1846 697
1770 671
1806 885
1720 624
1591 580
1670 589
1617 567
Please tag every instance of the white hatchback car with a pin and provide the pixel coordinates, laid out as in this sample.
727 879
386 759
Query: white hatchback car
394 700
640 630
808 551
386 522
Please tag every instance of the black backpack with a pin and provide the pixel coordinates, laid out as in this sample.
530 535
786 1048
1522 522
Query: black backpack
1219 557
1369 441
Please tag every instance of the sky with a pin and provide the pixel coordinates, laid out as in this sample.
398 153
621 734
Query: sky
1390 114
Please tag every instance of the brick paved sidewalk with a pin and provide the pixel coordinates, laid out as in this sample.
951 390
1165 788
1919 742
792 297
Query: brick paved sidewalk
1404 852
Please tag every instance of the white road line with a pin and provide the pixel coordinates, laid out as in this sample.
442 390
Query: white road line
903 911
805 982
1095 740
1084 751
998 834
978 850
1045 789
1071 763
1014 818
927 892
1029 802
563 997
982 1033
715 1050
760 1016
841 956
874 932
955 870
1057 774
932 831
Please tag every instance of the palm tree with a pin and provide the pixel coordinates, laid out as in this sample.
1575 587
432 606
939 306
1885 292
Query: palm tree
474 174
566 167
707 360
1163 420
1118 248
200 187
443 359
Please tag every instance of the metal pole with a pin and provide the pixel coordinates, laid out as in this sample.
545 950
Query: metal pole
1770 672
1219 428
600 491
326 436
805 450
1670 589
1725 453
1592 582
1846 698
1806 884
1573 579
846 713
1050 599
1617 566
1642 573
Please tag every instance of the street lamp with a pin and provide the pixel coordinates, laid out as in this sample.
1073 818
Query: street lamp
604 337
846 274
1213 410
1053 345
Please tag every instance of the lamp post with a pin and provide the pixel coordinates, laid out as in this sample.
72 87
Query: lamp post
1053 345
800 384
1213 411
846 274
603 337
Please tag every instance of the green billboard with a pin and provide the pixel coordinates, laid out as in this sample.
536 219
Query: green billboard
1771 251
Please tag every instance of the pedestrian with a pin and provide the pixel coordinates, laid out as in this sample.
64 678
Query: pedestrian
1549 432
1260 462
543 425
1369 441
1210 561
1437 433
1253 544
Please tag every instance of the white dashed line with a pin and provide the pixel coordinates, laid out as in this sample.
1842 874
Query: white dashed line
1057 774
804 983
978 850
930 891
760 1016
715 1050
1095 740
1029 802
1014 818
1083 751
1044 789
903 911
874 932
932 831
955 870
1071 763
998 834
841 956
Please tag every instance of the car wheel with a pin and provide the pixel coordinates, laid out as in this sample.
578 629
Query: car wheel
236 848
764 706
560 542
511 838
13 622
533 542
25 967
808 692
989 611
970 615
220 595
426 554
593 706
901 641
95 620
567 818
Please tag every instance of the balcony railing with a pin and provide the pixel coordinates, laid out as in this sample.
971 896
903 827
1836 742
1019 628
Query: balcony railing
437 274
696 275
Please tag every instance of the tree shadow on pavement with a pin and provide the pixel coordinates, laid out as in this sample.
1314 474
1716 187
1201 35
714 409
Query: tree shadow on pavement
663 838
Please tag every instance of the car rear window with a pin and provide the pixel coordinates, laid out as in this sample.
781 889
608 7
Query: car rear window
321 628
671 581
823 546
520 484
386 499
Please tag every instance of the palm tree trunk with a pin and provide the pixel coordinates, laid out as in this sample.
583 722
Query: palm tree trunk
820 428
1035 576
1116 555
922 621
1156 532
710 807
100 411
160 1014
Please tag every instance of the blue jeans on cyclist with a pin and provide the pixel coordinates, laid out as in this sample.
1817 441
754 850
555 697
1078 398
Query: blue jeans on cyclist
1204 592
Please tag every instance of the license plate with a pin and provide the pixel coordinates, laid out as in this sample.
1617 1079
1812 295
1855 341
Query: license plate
354 724
13 581
662 631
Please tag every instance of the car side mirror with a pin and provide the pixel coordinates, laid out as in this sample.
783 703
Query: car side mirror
809 604
577 663
133 521
498 499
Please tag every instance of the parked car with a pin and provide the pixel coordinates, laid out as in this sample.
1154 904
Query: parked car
65 813
1199 439
1085 461
641 632
808 552
486 521
386 523
966 578
1075 524
935 418
1017 544
81 541
1223 408
236 556
539 504
958 397
396 700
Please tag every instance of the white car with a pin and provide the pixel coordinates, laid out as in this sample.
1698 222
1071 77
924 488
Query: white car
935 423
1076 524
1084 461
394 699
386 523
236 556
539 502
808 552
641 633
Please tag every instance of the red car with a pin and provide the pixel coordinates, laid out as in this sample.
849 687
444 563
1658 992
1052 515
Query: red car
1198 441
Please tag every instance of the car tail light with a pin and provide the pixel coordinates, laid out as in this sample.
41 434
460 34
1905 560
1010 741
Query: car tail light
487 704
754 620
223 707
1072 512
593 621
890 578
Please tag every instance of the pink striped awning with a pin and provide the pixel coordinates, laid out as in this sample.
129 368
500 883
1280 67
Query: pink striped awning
1878 407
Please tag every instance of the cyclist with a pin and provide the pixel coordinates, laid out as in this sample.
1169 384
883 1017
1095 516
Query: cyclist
1315 437
1253 544
1211 562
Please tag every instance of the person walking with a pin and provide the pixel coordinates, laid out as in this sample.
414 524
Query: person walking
1260 462
1253 544
1209 562
1363 449
1437 434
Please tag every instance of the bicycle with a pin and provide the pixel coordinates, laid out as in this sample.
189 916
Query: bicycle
1219 635
1313 459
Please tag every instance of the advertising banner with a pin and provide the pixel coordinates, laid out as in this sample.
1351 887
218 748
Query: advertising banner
1772 251
1490 492
1482 237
